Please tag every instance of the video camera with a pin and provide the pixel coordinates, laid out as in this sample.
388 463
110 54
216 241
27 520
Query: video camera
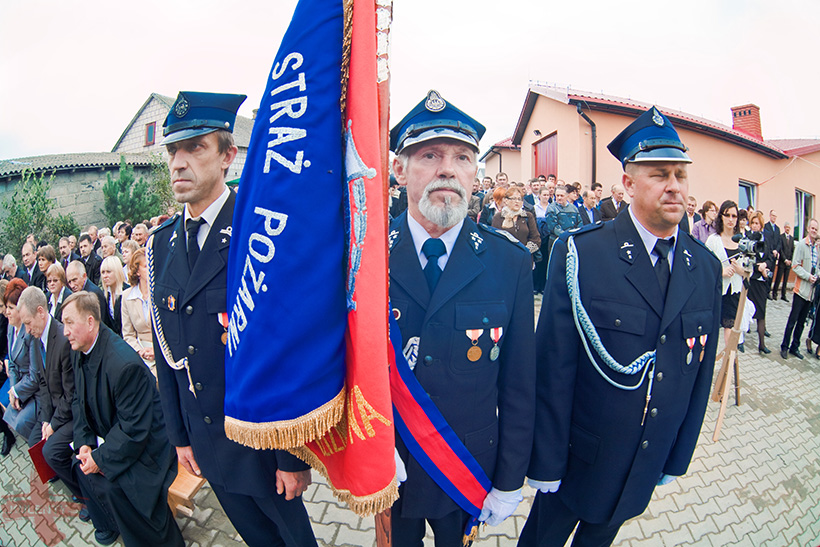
748 245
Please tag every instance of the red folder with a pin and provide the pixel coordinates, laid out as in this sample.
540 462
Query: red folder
44 470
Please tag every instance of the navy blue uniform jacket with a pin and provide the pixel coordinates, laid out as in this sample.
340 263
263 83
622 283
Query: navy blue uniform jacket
489 404
191 325
588 432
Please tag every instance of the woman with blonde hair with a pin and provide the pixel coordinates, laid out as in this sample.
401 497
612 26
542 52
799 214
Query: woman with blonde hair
136 310
113 284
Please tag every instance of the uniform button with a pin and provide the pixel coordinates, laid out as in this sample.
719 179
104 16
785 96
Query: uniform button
198 386
653 412
486 321
700 329
617 322
428 360
191 350
208 420
189 310
663 338
644 444
492 442
659 376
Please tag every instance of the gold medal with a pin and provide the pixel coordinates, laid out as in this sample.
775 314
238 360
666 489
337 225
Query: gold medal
703 346
474 353
225 338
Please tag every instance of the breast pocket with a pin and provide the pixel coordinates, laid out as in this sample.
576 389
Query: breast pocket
695 324
617 316
476 321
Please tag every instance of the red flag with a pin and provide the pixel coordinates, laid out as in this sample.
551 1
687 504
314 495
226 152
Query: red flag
356 455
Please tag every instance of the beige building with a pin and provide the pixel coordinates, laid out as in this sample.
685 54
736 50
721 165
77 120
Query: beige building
565 132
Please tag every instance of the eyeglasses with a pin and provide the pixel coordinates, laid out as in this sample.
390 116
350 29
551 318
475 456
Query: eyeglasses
729 215
514 199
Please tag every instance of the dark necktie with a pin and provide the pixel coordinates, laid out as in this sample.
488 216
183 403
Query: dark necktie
433 248
192 227
662 247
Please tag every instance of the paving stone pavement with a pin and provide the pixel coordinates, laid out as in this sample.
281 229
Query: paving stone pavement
758 485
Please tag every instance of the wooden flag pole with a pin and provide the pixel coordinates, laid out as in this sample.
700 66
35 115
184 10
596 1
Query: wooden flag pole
730 369
384 19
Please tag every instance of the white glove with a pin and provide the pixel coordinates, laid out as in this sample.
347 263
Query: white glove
499 505
546 487
666 479
401 471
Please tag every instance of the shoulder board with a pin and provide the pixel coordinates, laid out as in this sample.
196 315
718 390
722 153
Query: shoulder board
588 228
168 222
500 233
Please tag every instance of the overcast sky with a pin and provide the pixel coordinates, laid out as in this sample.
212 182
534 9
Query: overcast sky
73 73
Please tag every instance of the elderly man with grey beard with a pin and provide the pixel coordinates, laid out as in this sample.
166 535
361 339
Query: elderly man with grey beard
462 297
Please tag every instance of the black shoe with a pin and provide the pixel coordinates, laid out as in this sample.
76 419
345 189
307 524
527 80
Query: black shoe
106 537
741 349
784 299
53 479
85 516
766 333
764 350
8 441
796 353
784 354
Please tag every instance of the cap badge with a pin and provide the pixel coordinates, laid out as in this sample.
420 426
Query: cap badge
657 118
434 102
181 108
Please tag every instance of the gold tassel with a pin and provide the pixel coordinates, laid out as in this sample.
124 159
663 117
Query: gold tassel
286 434
364 506
471 537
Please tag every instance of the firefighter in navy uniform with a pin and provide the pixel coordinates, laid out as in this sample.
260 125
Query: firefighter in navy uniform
260 491
462 296
625 350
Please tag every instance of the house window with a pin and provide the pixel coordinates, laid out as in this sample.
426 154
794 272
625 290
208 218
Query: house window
150 131
747 194
803 212
545 156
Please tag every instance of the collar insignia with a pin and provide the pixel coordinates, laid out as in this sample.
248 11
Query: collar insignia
226 231
477 239
392 238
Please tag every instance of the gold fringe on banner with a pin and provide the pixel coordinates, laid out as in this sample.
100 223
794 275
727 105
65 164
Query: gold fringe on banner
364 506
347 42
286 434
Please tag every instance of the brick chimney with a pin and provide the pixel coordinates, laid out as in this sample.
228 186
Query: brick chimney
746 119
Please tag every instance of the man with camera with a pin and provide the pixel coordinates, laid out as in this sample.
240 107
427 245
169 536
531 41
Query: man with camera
804 264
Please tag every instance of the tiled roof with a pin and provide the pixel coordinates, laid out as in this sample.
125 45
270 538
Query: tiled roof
629 107
85 160
506 144
796 147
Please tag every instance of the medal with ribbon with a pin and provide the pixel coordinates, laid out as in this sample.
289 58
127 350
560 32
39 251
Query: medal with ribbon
691 343
223 320
703 339
496 334
474 353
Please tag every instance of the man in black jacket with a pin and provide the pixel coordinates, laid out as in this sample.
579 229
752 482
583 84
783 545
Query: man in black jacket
784 263
123 456
90 259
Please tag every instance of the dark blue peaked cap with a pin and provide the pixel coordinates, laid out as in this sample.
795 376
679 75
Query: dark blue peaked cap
434 118
651 137
195 113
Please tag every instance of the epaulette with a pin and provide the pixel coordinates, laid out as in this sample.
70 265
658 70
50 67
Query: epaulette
501 234
586 228
168 222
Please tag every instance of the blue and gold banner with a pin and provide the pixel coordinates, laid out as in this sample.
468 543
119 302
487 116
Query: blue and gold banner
285 361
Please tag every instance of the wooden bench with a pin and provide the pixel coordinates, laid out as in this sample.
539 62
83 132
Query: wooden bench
182 491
